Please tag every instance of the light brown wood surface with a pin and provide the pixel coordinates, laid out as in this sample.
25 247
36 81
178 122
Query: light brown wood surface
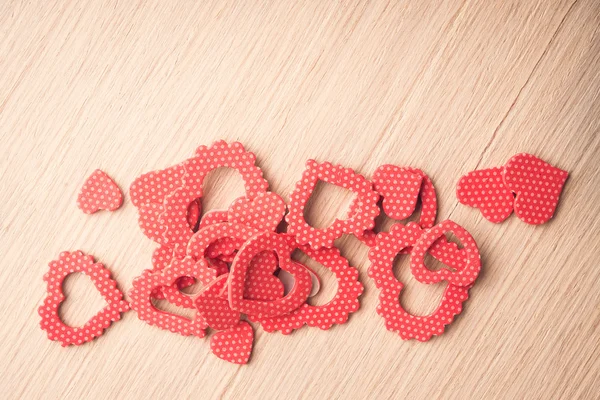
446 86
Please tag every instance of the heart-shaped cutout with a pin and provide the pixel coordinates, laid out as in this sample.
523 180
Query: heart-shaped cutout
335 311
362 218
99 192
261 283
485 189
68 263
464 276
537 186
235 344
205 275
398 240
264 212
267 241
399 188
146 284
213 305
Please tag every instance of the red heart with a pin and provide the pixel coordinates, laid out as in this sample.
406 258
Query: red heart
154 186
99 192
399 188
264 212
268 241
146 284
335 311
261 283
213 305
537 186
235 344
68 263
364 207
205 275
485 189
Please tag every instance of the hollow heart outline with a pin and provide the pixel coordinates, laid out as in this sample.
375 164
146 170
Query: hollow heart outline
362 219
408 326
56 329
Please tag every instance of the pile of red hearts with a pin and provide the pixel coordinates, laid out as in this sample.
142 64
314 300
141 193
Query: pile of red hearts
236 255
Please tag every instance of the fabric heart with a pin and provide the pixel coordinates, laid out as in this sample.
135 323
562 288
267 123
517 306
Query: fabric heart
213 305
268 241
99 192
335 311
141 299
68 263
152 187
537 186
485 189
264 212
261 283
364 206
235 344
399 188
204 276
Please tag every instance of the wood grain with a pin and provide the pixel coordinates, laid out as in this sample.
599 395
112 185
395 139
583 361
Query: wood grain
446 86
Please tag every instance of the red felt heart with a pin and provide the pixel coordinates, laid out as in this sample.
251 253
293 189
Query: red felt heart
268 241
205 275
261 283
399 188
537 186
235 344
68 263
99 192
146 284
264 212
213 305
485 189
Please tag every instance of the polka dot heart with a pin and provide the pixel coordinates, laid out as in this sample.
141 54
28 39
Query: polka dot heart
362 219
212 303
99 192
235 344
525 183
68 263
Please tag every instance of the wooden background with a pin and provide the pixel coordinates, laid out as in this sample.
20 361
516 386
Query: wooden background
446 86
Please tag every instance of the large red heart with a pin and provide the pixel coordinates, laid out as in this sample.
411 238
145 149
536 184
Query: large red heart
99 192
485 189
264 212
235 344
537 186
68 263
261 283
213 305
148 282
267 241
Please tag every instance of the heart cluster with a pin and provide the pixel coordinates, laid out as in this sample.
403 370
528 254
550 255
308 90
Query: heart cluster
526 184
226 265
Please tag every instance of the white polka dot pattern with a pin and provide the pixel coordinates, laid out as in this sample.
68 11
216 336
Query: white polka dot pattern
267 241
99 192
213 305
325 316
409 326
207 159
68 263
464 276
152 187
205 274
537 186
141 300
485 189
264 212
365 207
235 344
261 283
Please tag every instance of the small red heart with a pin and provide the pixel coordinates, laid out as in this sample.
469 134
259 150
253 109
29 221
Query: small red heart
264 212
68 263
99 192
213 305
485 189
205 275
400 189
261 283
148 282
267 241
235 344
537 186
